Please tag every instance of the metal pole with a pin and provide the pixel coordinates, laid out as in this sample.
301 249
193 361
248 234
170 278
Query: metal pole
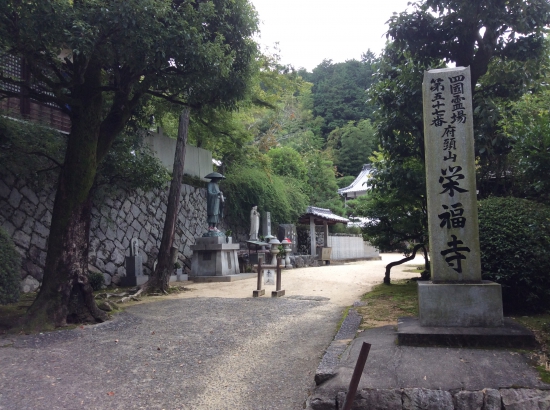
357 372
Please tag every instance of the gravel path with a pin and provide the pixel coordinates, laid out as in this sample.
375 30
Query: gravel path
214 347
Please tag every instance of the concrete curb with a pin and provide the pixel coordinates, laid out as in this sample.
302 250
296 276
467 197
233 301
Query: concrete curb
327 368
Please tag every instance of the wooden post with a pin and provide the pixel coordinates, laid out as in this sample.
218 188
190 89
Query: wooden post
357 372
278 292
312 235
325 233
259 291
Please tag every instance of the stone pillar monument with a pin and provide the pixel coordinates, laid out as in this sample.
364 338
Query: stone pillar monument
456 296
266 225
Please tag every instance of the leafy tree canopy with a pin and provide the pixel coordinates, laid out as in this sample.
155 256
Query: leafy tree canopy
339 91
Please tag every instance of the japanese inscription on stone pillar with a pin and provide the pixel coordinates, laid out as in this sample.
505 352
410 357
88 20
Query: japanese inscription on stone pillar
450 175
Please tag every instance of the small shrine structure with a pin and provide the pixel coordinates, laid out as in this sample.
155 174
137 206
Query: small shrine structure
359 186
320 216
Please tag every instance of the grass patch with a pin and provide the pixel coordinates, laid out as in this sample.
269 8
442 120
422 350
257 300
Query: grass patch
415 269
386 303
540 325
12 313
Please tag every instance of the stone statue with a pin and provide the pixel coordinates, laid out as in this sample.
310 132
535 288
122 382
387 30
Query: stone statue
214 201
134 247
254 223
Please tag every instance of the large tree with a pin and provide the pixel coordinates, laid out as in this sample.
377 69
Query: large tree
96 60
501 41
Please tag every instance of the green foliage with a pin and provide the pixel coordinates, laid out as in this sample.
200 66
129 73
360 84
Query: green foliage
10 270
339 91
323 190
345 181
96 280
130 165
247 186
395 206
286 161
514 236
29 150
528 127
352 146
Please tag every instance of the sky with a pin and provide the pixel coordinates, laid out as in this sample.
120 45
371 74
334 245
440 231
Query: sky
309 31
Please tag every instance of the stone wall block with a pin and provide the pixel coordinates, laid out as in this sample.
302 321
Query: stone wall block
108 202
41 230
34 270
111 233
135 211
39 241
143 235
491 399
107 278
8 227
373 399
15 198
99 264
120 234
110 268
126 206
40 210
29 284
18 219
424 399
525 399
137 226
126 243
469 400
21 239
27 207
117 257
5 190
30 195
47 218
100 235
28 226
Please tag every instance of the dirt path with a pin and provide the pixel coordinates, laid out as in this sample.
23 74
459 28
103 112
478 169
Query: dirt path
214 347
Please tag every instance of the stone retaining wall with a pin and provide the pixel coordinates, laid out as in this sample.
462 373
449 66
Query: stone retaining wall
26 212
416 398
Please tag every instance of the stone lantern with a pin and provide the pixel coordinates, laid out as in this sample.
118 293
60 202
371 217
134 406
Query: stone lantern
286 244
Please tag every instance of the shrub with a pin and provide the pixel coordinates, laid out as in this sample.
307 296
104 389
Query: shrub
10 270
514 237
96 280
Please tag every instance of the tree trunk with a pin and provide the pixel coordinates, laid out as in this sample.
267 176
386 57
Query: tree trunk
65 290
159 280
399 262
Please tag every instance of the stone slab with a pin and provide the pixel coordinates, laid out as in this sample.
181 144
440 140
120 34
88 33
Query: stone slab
257 293
127 281
392 366
225 278
277 293
511 334
215 247
460 304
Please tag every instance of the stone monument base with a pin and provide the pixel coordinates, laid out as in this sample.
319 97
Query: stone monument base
212 256
134 272
460 304
511 335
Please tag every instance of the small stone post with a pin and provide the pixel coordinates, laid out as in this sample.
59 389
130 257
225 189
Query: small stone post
456 296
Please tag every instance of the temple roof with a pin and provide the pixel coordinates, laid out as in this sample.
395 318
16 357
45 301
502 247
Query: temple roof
359 186
320 215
